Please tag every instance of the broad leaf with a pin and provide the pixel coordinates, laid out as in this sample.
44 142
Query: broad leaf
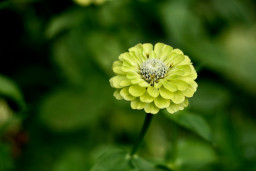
192 122
69 110
194 155
119 160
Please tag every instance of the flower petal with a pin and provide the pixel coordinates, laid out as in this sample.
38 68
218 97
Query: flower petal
177 59
181 70
176 107
147 49
161 102
125 83
189 92
152 91
136 81
146 98
178 97
186 61
137 104
126 57
160 83
169 58
133 75
135 48
138 58
188 79
138 51
117 67
117 95
181 85
151 108
126 95
128 69
158 47
162 51
116 80
170 86
136 90
143 83
178 51
152 55
165 93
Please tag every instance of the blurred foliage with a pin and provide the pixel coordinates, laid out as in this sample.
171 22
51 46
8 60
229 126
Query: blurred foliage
57 111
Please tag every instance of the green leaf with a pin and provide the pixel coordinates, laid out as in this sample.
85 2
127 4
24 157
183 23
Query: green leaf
220 97
70 110
6 161
9 90
193 155
65 21
108 52
72 159
193 122
119 160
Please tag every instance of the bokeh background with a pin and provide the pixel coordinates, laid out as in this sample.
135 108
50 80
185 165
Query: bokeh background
57 111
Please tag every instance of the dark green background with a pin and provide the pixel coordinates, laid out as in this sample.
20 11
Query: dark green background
55 65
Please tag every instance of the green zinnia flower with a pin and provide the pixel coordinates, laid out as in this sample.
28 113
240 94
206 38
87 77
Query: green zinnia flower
154 78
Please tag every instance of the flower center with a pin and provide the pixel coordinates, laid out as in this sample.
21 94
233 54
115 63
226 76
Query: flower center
152 70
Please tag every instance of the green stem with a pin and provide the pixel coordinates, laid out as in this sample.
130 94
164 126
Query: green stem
143 131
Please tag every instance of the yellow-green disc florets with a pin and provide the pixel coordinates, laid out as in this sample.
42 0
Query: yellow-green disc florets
154 77
152 70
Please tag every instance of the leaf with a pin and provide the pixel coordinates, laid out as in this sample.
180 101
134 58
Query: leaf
72 159
193 155
119 160
6 161
220 97
65 21
104 54
193 122
9 90
69 110
73 65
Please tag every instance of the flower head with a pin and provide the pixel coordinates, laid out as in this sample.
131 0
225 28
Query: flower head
154 78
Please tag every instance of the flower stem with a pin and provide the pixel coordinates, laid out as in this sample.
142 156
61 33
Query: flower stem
143 131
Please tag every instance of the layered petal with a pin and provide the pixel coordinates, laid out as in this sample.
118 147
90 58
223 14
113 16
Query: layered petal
161 102
162 51
136 90
137 104
151 108
126 95
146 98
117 95
178 97
170 86
118 81
117 67
152 91
176 107
165 93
